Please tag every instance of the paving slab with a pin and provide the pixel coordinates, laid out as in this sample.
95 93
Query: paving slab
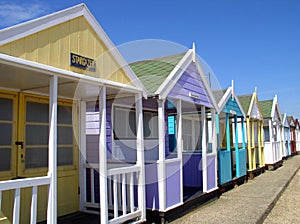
250 202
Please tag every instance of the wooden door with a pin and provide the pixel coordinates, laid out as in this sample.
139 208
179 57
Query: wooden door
24 129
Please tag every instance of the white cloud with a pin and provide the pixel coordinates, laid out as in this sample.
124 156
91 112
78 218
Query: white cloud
12 13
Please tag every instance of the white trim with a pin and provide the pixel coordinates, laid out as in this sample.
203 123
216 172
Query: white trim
22 30
180 145
82 154
214 143
161 161
140 155
204 149
168 84
207 87
49 70
102 157
52 151
229 93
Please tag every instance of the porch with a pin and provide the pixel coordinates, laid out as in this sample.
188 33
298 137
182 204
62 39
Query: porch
45 190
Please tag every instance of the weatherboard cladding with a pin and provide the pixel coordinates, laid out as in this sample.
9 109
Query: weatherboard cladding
232 105
190 82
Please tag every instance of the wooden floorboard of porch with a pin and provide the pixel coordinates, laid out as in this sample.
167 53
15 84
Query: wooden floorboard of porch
78 218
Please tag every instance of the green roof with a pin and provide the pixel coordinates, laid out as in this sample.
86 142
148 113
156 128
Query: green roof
266 108
153 72
245 101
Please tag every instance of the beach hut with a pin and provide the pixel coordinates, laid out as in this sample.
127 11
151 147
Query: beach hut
255 139
292 124
297 132
286 152
272 133
230 123
181 157
55 72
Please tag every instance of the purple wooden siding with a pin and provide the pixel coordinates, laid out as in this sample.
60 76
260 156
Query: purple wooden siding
172 184
152 197
190 82
192 170
211 172
92 141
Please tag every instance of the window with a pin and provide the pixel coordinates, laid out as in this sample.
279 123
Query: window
191 134
37 133
266 134
124 124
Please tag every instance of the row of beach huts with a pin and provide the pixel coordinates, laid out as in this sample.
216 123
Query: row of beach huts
81 130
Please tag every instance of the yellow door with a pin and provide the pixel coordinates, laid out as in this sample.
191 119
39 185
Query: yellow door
29 121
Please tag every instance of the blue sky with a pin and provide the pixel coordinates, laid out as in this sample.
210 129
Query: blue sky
254 42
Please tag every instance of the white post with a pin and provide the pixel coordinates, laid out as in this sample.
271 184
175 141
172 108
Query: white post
102 157
161 162
179 145
214 143
82 154
271 134
33 213
204 148
140 154
16 211
52 150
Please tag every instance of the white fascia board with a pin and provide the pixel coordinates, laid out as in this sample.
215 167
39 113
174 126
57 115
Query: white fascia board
49 70
225 98
33 26
229 93
166 87
207 87
18 31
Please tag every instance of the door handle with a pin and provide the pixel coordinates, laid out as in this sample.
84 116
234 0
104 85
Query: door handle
20 143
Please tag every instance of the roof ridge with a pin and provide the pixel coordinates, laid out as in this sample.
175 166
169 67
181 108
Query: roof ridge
158 58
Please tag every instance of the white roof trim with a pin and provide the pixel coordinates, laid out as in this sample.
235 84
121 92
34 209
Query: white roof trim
207 87
274 107
33 26
166 87
254 100
229 93
49 70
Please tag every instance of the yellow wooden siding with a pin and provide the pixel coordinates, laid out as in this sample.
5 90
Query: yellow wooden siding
54 45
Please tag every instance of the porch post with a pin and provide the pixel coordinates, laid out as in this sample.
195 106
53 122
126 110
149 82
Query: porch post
237 152
259 143
227 132
102 157
161 160
214 142
271 136
52 153
253 145
82 153
180 145
289 142
262 143
140 154
204 148
243 133
249 144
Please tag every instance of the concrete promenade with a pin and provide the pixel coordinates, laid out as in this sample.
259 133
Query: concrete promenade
253 201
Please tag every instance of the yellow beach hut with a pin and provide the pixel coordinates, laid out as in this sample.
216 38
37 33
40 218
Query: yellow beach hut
51 69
